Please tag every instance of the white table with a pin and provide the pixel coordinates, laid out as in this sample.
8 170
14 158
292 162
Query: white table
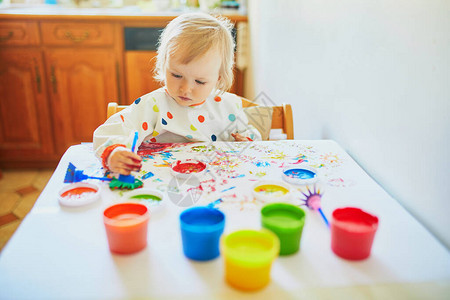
59 253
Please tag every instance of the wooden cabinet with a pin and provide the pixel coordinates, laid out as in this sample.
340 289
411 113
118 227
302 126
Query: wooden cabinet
25 128
55 93
25 125
18 33
83 75
77 34
81 83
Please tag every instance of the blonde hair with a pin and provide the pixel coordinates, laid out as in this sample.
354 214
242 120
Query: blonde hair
196 34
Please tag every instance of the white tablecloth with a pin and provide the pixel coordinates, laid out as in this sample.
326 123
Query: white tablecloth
60 253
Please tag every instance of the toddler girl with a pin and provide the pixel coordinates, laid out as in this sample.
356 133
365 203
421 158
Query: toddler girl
195 63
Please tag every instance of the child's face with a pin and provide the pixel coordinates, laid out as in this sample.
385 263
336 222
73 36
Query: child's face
190 84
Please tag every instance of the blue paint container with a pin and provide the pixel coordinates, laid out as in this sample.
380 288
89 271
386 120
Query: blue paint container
300 175
201 228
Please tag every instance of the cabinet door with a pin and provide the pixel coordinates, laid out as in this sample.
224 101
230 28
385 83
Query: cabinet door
25 127
139 74
81 83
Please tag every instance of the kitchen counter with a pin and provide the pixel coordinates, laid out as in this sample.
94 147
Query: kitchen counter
127 13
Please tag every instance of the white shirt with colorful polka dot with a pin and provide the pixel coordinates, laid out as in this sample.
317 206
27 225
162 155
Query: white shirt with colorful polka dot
158 118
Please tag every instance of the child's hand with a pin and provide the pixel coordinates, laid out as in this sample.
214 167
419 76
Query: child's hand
124 161
239 138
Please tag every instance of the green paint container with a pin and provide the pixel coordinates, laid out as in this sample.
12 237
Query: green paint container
286 221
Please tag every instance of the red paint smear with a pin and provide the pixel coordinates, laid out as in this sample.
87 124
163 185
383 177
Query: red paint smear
189 167
150 148
200 188
78 191
299 161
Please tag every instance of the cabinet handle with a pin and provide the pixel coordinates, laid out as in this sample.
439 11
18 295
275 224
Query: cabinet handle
6 37
77 39
53 80
38 76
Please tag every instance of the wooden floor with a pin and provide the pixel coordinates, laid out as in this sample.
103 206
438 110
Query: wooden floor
19 190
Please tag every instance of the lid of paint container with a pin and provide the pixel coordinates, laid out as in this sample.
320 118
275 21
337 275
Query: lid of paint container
153 199
300 175
79 194
271 191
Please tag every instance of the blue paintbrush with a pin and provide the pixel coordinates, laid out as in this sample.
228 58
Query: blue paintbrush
134 141
129 179
312 201
74 175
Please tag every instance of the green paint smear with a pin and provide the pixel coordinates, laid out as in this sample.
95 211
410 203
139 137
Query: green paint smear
115 184
146 197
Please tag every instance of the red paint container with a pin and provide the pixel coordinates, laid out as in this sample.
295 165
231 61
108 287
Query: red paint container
126 227
352 233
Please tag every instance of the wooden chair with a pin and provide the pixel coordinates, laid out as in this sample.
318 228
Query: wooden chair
281 116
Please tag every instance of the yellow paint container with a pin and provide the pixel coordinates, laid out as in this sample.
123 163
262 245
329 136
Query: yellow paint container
248 256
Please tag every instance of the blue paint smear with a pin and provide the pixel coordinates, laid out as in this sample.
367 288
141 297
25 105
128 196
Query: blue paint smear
237 176
215 203
262 164
148 175
300 173
228 189
166 155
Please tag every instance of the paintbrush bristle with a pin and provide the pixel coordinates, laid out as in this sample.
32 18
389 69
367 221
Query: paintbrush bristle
70 173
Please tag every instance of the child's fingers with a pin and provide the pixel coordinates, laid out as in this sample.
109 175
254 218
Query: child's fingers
131 159
119 167
239 138
124 162
133 156
123 171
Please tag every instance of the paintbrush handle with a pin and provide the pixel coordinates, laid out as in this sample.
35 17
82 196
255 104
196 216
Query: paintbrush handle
100 178
134 141
324 218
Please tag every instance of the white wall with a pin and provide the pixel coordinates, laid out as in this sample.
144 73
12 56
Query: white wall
372 75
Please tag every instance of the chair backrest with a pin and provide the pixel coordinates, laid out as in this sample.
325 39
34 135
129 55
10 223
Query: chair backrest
281 116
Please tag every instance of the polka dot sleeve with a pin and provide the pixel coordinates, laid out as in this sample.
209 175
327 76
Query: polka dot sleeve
140 116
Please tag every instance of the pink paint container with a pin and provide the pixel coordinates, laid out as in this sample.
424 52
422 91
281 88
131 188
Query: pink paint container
352 233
